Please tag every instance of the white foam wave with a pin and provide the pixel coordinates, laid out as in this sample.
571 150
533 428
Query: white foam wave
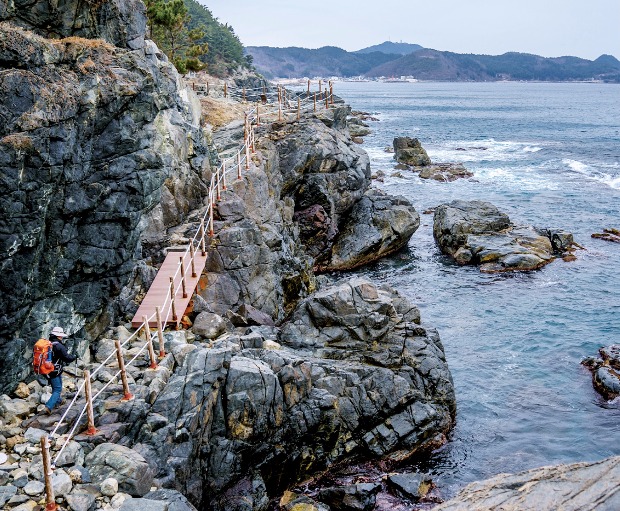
577 166
591 172
487 149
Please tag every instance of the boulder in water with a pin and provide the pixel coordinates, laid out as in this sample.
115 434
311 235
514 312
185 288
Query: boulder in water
475 232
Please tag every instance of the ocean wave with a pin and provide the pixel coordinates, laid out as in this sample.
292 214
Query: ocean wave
487 149
591 172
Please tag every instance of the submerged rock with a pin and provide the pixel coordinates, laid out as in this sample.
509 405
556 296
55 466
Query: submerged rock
445 172
475 232
569 487
606 371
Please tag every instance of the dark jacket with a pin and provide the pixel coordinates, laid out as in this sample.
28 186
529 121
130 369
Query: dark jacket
60 356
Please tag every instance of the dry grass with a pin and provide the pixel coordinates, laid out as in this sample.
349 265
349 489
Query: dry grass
219 112
87 66
82 42
18 141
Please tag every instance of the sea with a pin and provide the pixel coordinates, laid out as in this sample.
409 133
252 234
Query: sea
548 154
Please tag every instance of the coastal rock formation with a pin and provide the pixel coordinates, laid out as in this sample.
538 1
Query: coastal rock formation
97 143
475 232
409 151
378 225
606 371
612 235
233 422
445 172
121 23
571 487
304 204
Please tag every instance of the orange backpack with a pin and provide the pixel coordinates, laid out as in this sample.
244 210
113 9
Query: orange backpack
42 361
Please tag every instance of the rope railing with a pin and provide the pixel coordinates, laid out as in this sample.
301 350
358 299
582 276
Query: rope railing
230 168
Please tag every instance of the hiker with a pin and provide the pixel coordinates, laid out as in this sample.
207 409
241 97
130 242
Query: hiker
60 356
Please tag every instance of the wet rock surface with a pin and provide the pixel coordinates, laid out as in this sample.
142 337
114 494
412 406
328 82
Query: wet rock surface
410 154
409 151
606 371
477 233
572 487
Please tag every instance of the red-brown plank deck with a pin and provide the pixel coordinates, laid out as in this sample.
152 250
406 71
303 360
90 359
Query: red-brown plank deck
160 289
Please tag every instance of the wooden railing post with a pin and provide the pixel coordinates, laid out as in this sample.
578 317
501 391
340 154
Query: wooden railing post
257 117
315 101
192 253
279 111
331 93
238 164
50 499
225 90
218 186
211 231
183 286
247 156
320 89
308 88
224 175
149 341
160 333
127 396
202 238
172 304
326 100
90 429
252 139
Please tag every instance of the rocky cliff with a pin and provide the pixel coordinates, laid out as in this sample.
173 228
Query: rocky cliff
105 164
97 142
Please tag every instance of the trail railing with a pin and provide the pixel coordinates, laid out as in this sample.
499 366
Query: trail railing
271 102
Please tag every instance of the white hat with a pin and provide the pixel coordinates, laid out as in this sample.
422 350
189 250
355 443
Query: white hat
59 332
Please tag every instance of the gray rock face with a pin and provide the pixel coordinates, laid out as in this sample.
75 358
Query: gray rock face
378 225
568 487
133 474
357 375
91 139
475 232
119 22
410 152
175 500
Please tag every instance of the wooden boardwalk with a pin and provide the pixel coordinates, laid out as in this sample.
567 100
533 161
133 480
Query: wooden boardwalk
160 290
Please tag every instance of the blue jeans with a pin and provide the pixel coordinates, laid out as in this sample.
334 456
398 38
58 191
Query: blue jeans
56 383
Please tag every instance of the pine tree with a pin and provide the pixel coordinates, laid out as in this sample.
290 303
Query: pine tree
169 27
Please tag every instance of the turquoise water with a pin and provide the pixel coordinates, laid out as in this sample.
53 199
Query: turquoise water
548 155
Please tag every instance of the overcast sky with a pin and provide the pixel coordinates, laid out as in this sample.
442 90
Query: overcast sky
552 28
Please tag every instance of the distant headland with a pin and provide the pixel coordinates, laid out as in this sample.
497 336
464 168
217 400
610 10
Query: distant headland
396 60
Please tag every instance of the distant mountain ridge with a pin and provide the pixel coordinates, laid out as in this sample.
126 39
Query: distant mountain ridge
389 47
296 62
387 60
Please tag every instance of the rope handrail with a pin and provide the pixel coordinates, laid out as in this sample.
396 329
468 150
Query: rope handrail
228 165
